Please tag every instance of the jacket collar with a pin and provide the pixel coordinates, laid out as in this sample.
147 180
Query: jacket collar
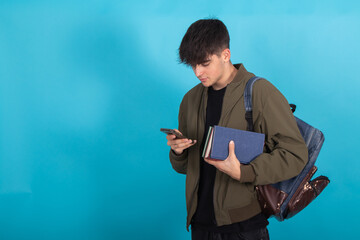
242 74
233 94
234 91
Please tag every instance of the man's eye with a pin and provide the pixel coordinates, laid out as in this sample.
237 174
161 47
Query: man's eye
205 64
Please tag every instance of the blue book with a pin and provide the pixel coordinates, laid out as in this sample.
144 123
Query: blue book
248 145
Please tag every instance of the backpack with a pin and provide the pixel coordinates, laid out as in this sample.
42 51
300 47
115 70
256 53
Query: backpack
285 199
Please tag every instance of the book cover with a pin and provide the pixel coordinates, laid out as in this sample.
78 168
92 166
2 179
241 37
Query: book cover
248 145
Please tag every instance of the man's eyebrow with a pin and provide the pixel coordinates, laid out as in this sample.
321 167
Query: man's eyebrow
202 62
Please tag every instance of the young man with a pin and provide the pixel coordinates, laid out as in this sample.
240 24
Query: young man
220 195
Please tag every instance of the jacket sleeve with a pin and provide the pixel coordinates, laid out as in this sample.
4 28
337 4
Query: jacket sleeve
179 162
285 150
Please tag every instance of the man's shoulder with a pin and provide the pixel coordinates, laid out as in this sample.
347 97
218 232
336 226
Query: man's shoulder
264 92
264 88
195 91
192 98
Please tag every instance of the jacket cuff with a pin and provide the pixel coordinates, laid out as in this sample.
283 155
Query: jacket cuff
247 174
177 157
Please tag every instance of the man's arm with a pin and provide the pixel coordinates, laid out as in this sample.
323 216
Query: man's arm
286 153
179 147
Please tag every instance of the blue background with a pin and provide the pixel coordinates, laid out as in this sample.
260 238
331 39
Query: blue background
86 85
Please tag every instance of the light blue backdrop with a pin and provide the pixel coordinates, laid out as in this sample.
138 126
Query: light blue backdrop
86 85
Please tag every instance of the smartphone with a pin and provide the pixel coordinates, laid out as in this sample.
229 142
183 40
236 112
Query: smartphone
172 131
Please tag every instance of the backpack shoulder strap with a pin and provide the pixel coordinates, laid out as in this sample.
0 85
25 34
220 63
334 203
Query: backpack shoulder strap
248 102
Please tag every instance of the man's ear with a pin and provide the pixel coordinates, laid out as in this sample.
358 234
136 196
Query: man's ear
226 54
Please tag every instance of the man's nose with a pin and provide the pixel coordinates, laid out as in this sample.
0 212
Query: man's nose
197 71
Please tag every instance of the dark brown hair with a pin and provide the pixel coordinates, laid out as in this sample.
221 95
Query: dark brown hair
203 38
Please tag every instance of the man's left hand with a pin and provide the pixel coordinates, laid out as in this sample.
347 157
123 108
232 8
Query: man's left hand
230 166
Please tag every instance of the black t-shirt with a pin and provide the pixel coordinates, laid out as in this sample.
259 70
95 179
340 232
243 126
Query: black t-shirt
204 217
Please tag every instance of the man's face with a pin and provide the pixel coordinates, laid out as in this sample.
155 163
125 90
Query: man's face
210 72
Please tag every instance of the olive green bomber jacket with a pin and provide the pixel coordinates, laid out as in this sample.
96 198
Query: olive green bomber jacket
285 152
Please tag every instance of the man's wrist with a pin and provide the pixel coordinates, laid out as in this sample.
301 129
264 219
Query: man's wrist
176 153
176 157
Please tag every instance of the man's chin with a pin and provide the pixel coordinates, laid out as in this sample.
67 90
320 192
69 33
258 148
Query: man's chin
205 84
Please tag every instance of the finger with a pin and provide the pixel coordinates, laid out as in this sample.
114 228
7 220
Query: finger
170 136
181 143
192 142
178 132
171 140
183 146
208 161
231 148
177 141
214 162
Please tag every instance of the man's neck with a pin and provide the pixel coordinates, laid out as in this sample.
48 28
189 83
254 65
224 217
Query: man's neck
229 76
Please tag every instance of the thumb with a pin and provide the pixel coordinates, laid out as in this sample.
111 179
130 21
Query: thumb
231 148
177 131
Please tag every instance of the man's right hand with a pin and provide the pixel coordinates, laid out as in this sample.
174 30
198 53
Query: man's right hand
179 145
